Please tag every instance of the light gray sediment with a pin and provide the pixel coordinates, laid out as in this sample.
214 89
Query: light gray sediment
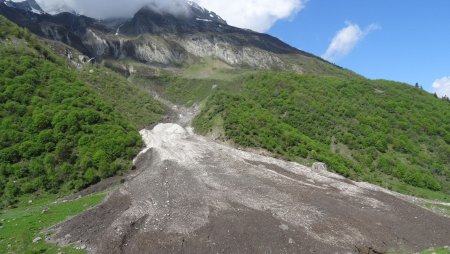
193 195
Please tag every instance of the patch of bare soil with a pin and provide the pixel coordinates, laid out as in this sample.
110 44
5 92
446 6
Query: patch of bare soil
177 114
192 195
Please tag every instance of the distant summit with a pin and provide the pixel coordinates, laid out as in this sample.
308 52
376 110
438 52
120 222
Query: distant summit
58 8
193 19
27 5
203 14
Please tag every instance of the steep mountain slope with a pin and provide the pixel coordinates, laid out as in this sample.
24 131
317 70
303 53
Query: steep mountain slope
133 102
163 39
56 133
383 132
64 27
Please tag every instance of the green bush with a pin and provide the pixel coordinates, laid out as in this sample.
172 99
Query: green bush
56 134
384 127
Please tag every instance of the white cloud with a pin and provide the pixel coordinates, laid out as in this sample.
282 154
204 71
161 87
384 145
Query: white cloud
345 40
111 8
258 15
442 86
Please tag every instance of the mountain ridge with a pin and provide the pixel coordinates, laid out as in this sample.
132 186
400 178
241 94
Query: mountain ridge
167 40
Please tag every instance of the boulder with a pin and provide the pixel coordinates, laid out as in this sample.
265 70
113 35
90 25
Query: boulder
37 239
319 166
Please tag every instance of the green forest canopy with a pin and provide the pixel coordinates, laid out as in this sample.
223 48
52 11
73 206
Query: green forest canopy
56 134
383 132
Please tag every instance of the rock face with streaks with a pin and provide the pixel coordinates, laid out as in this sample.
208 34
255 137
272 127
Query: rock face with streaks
192 195
164 39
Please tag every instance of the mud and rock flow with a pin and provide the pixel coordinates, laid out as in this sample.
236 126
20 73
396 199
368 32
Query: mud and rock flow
193 195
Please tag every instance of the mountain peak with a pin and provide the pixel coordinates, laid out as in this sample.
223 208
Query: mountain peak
26 5
60 8
201 13
193 18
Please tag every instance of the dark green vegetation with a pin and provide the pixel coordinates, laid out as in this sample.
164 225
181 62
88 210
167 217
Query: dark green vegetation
20 226
56 133
383 132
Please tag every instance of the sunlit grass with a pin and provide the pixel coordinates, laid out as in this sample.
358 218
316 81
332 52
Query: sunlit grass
20 226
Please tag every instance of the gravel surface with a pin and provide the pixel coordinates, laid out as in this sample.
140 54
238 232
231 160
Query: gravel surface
193 195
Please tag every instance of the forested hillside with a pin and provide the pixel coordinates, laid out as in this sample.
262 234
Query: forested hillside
56 133
132 102
383 132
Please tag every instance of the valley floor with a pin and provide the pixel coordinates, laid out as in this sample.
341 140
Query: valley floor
193 195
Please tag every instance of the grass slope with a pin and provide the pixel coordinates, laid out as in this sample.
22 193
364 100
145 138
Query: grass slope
20 226
132 102
443 250
383 132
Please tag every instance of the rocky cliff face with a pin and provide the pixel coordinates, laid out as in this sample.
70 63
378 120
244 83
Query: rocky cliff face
160 38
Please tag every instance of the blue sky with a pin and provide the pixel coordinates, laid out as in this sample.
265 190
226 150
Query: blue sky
407 41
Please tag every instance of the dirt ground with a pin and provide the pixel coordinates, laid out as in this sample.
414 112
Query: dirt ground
192 195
